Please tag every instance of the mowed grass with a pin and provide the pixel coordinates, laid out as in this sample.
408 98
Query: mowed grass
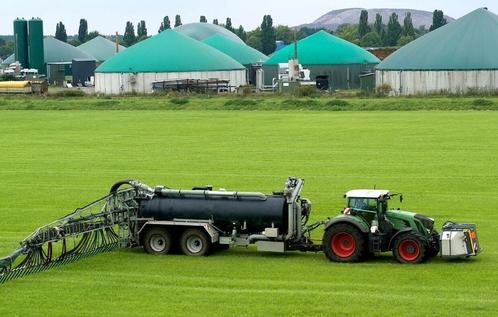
444 162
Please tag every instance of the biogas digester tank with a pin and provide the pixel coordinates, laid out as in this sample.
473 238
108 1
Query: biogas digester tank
247 212
36 49
21 42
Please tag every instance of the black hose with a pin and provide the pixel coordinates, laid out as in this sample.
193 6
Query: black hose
116 186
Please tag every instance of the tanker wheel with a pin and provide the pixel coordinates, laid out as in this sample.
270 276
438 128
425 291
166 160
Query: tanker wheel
343 243
410 248
157 241
195 242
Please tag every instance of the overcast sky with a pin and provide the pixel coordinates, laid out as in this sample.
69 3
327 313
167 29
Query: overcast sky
109 16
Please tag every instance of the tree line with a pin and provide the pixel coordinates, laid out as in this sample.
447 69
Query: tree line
263 38
391 34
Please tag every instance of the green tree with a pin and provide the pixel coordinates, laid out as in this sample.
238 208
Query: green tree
363 27
438 20
371 39
129 37
83 31
284 33
215 22
268 44
6 48
203 19
92 35
228 25
178 20
378 25
241 33
393 30
306 31
254 39
348 32
165 25
60 32
405 40
141 31
408 29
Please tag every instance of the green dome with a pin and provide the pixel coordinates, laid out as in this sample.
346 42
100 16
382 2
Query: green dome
201 31
60 52
169 51
57 52
323 48
242 53
469 43
101 48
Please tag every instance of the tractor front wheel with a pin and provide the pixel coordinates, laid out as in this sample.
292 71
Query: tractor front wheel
343 243
410 248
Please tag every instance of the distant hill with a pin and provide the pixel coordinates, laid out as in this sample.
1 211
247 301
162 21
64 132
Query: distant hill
335 18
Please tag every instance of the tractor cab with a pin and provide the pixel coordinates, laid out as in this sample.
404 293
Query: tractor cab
368 200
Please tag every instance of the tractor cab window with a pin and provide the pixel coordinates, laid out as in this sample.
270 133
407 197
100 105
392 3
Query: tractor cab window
363 203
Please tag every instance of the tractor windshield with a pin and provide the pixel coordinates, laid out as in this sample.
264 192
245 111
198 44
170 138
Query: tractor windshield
363 203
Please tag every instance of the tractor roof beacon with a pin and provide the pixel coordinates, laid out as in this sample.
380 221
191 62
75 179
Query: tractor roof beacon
201 219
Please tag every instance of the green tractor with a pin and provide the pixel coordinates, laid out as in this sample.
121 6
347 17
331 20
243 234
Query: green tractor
368 227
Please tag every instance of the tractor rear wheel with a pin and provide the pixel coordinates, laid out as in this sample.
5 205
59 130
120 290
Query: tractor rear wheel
343 243
195 242
410 248
157 241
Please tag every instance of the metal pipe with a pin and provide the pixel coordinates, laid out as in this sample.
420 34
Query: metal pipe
180 193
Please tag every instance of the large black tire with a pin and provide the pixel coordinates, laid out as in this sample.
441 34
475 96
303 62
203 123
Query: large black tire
344 243
195 242
157 241
410 248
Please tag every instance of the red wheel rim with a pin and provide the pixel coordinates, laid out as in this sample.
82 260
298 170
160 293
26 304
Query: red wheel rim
409 250
343 244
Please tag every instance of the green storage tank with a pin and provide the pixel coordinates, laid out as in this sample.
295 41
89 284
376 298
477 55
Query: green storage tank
21 42
36 49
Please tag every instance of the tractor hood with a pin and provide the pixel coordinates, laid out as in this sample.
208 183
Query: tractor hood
406 216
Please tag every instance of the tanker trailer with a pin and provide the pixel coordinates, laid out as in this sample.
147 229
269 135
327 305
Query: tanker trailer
199 219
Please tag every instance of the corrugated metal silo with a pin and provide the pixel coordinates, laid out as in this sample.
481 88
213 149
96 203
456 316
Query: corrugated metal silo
36 49
21 42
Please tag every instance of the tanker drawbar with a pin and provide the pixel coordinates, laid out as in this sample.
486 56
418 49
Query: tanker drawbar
200 220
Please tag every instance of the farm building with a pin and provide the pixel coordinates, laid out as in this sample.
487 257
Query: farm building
251 58
58 59
166 56
335 62
201 31
459 56
101 48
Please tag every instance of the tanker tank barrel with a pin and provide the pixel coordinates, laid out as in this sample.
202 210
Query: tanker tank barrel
180 193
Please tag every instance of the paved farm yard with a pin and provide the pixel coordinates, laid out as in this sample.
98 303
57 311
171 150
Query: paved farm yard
444 162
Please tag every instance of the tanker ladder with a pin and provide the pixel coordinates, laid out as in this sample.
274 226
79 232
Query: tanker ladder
100 226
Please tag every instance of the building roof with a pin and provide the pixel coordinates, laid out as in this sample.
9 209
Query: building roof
242 53
469 43
366 193
57 52
100 48
9 60
60 52
323 48
169 51
201 31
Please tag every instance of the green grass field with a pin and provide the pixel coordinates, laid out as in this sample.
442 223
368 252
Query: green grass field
445 163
